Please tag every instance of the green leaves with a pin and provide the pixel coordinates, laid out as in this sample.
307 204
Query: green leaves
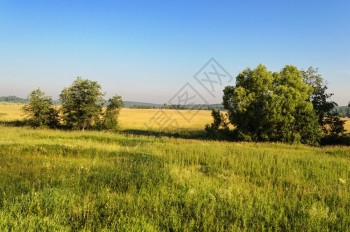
40 111
80 106
266 106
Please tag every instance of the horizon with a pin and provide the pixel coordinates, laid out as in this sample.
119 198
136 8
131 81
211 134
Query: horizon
146 52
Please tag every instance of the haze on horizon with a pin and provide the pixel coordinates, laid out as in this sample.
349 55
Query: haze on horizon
147 51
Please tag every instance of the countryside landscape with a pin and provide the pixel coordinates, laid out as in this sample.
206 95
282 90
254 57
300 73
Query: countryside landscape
174 116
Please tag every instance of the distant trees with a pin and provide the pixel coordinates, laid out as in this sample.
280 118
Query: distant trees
40 110
82 108
13 99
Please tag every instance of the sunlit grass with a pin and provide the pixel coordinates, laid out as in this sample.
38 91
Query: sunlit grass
60 180
57 180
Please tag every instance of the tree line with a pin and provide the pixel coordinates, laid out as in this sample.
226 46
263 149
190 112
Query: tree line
290 106
81 108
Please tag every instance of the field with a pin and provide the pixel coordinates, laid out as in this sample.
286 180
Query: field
55 180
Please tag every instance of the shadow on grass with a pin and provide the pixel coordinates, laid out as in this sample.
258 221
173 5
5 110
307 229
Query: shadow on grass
336 140
186 134
14 123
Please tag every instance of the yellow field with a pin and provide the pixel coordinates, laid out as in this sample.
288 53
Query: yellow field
136 119
347 124
142 119
164 119
10 111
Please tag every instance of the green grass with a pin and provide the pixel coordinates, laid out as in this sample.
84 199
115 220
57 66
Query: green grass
95 181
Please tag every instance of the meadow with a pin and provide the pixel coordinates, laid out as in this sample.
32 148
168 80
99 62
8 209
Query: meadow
52 180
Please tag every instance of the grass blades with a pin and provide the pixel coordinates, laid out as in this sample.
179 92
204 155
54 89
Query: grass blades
95 181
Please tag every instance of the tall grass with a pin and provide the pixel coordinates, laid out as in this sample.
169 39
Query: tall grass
95 181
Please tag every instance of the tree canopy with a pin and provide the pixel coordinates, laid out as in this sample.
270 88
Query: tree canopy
267 106
330 122
81 106
40 111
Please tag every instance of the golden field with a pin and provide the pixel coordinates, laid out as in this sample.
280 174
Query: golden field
143 119
136 119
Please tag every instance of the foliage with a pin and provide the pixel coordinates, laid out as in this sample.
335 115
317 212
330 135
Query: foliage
110 120
266 106
93 181
80 104
220 125
40 111
330 123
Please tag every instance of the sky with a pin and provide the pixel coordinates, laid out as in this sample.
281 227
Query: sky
150 51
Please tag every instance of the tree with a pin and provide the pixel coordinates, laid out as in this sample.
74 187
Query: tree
220 126
330 123
40 110
266 106
110 120
81 106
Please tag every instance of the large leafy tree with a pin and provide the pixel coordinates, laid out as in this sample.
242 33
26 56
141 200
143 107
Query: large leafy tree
330 123
266 106
40 110
81 104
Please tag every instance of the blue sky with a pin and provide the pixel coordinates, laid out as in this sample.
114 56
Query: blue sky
147 50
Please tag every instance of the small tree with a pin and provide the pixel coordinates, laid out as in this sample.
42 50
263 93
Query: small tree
40 110
80 104
110 120
220 125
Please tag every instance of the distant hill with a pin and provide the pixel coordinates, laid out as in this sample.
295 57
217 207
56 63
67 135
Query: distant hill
13 99
129 104
132 104
342 111
144 105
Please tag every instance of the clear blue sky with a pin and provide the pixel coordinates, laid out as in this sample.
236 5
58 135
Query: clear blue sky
147 50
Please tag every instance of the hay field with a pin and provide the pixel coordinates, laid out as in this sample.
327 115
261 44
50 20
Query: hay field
142 119
136 119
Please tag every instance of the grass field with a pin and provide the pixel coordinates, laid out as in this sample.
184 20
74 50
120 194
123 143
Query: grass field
53 180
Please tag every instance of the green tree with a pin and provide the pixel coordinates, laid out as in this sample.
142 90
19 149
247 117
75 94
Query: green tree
40 110
81 104
110 120
266 106
330 123
220 125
